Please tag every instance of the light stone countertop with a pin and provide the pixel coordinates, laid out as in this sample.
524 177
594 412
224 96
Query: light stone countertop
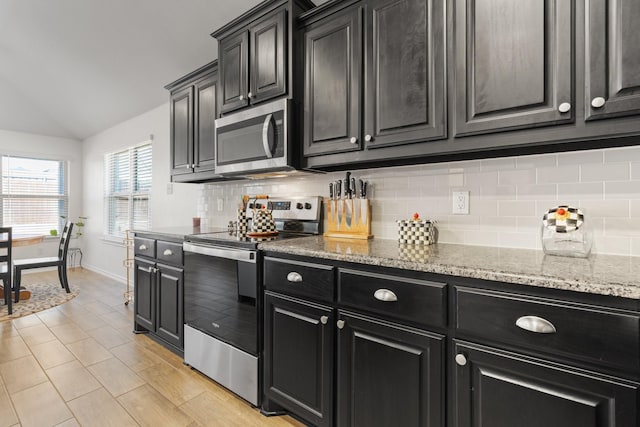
599 274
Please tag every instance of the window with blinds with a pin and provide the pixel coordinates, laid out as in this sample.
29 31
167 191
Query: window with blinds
127 189
34 194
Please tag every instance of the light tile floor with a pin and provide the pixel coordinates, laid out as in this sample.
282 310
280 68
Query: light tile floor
80 364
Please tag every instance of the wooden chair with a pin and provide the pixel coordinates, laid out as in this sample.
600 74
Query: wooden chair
5 264
60 261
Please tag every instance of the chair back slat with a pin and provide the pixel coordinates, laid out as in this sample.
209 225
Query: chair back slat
63 246
6 236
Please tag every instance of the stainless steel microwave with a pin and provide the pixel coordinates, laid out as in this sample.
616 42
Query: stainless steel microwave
254 140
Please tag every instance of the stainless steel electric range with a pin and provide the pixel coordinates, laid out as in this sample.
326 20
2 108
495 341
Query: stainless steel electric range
222 288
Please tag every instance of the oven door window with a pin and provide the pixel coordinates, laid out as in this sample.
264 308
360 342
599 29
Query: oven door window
220 299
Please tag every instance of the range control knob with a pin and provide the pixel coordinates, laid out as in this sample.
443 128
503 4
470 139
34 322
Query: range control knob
307 205
299 205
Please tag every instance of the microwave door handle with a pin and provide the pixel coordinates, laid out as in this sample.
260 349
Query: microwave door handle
265 136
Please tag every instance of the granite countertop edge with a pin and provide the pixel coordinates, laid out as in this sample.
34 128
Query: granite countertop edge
585 284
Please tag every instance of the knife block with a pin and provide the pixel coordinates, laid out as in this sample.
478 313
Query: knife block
338 226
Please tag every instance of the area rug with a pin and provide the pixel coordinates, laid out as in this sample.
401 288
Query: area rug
43 296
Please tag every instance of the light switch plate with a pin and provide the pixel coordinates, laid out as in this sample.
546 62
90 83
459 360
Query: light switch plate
460 203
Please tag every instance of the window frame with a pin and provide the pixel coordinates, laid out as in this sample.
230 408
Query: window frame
61 198
130 194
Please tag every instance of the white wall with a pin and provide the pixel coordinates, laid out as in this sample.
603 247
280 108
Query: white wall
26 144
166 210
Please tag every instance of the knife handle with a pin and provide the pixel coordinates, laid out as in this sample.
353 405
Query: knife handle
361 187
338 189
353 187
347 190
364 190
331 191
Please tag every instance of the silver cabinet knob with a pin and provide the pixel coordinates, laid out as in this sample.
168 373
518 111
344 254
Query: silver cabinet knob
385 295
461 359
353 140
143 247
167 252
340 324
241 97
324 320
294 277
565 107
188 166
368 138
249 95
535 324
598 102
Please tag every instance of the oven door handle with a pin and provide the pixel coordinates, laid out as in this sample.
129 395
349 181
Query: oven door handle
220 252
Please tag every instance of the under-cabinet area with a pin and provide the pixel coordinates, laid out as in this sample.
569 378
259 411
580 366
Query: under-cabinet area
353 344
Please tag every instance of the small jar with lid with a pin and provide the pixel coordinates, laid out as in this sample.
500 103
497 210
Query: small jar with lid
565 232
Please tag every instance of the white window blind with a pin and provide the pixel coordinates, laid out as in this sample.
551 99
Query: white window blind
34 194
127 188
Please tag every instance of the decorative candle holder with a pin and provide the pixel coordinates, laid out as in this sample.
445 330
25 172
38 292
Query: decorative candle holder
565 232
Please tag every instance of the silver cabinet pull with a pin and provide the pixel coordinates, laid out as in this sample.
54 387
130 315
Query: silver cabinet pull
368 138
461 359
565 107
241 97
536 324
385 295
340 324
187 166
324 320
167 252
353 140
598 102
143 247
294 277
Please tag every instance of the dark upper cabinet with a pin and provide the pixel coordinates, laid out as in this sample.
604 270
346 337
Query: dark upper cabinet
257 54
514 64
612 68
502 389
193 111
388 374
404 98
374 77
181 111
234 71
333 78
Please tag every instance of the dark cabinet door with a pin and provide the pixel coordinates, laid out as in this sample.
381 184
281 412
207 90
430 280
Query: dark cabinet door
388 375
514 64
405 71
268 65
500 389
612 58
205 131
332 92
234 72
181 113
145 296
169 291
298 357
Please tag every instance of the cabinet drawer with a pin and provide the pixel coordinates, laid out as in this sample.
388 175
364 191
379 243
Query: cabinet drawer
145 247
299 278
590 333
170 252
403 298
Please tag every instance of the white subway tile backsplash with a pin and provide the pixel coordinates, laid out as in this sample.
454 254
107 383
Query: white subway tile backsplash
517 177
623 154
516 208
580 157
622 190
508 197
581 191
537 192
556 175
604 172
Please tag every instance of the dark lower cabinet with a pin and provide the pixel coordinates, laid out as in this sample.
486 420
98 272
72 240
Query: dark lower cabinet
159 290
298 357
388 374
503 389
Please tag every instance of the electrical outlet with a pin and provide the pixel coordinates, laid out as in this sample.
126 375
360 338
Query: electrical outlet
170 188
460 202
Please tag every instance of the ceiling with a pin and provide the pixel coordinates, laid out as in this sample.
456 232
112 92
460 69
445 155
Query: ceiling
72 68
